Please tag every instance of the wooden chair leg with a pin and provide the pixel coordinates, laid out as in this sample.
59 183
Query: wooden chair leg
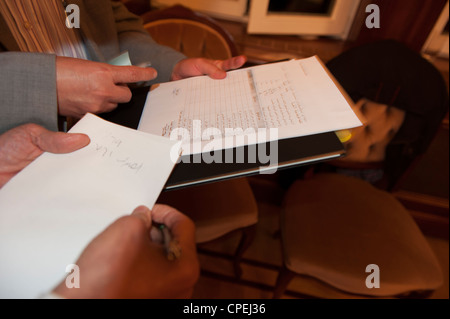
284 278
248 234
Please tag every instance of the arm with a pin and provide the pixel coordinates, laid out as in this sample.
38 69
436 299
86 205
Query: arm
35 88
170 64
28 90
142 48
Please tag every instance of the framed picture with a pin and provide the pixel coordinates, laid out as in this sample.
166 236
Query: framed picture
302 17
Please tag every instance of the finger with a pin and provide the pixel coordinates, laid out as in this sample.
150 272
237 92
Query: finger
156 235
180 225
132 74
210 68
57 142
108 107
233 63
120 94
145 214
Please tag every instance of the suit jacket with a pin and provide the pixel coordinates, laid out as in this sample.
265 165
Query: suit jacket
28 80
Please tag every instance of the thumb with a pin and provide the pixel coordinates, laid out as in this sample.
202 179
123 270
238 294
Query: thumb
144 214
233 63
132 74
61 143
211 68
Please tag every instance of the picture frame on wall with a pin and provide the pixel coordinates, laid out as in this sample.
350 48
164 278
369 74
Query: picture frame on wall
332 18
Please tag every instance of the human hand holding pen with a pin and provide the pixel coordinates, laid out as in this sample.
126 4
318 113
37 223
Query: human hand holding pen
127 260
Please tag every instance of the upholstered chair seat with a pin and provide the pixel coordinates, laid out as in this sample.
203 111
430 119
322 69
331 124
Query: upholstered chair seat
334 226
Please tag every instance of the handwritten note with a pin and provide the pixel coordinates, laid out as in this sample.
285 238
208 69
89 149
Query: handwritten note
111 149
59 203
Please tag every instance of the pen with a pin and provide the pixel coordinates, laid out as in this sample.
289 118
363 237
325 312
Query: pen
171 245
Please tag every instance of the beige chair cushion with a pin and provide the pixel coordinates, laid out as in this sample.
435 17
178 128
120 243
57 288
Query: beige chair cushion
334 226
216 208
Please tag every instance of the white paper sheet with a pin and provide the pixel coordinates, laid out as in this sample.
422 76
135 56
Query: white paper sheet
297 98
52 209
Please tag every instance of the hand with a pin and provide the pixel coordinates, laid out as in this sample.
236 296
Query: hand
127 261
21 145
199 66
86 86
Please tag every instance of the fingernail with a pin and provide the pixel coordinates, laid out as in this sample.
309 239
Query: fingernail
81 139
220 75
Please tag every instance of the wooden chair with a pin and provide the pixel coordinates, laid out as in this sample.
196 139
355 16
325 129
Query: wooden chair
336 224
189 32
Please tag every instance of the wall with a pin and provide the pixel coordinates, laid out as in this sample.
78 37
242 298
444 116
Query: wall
408 21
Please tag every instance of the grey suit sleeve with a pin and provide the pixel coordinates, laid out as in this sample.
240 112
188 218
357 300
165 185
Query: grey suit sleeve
28 90
142 48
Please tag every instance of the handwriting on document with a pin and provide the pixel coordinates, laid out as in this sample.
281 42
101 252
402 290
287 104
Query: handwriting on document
176 91
245 99
279 99
110 147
